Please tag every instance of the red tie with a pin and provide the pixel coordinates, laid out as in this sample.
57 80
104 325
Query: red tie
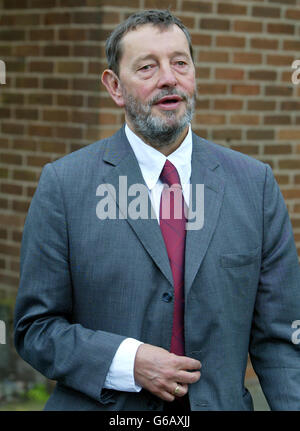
172 224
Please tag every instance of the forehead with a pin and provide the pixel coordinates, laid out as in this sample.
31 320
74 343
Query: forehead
149 39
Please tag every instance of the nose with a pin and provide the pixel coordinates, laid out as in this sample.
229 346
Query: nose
167 77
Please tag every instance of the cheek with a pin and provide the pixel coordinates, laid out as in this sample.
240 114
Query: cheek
189 84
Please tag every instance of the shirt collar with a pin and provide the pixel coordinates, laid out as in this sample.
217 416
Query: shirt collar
151 161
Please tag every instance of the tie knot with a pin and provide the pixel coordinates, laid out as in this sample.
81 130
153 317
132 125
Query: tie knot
169 174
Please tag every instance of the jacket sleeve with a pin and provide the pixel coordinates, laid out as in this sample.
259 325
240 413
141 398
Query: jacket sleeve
274 353
45 335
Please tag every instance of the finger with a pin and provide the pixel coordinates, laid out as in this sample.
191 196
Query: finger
187 376
180 390
166 396
186 363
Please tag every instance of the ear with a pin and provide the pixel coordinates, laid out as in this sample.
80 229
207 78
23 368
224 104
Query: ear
113 86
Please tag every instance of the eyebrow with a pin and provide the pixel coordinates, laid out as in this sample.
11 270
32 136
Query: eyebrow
152 56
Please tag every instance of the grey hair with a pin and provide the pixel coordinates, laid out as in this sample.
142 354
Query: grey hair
159 18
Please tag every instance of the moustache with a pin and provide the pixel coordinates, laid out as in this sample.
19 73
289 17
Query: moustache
167 92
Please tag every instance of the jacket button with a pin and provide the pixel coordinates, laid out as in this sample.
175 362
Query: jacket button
167 297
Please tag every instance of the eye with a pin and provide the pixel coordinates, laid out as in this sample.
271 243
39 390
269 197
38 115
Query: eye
181 63
146 67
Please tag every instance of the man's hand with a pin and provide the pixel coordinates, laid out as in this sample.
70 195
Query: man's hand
161 372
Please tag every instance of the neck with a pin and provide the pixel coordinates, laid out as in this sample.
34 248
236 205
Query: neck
167 149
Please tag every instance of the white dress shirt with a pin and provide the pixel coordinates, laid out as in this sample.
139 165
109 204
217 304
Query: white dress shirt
120 375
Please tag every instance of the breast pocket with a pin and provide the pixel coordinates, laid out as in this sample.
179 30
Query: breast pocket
231 260
240 275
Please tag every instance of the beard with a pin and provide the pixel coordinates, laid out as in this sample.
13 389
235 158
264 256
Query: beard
159 130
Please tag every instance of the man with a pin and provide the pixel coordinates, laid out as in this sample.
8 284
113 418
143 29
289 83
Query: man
123 311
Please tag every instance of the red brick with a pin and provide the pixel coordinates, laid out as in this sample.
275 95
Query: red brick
231 74
228 104
291 194
210 119
107 118
281 28
43 4
4 172
212 88
232 41
19 19
12 35
245 89
277 149
24 145
13 128
8 250
280 60
57 18
40 99
84 117
201 39
292 14
213 56
246 149
268 75
266 12
247 57
247 26
5 112
197 7
202 72
258 43
289 134
55 83
24 175
11 189
41 66
291 45
16 4
69 132
244 119
40 130
56 50
277 119
260 134
38 161
290 105
227 134
56 115
277 90
41 34
72 34
27 114
10 158
85 84
69 100
53 147
27 82
261 105
20 207
87 17
231 9
155 4
214 24
26 50
71 67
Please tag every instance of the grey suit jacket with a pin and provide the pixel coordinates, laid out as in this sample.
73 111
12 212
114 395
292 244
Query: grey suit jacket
87 284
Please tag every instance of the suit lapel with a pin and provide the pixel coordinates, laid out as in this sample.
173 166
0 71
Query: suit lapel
119 154
204 171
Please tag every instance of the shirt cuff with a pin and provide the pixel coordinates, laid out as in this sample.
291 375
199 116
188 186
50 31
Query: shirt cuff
120 376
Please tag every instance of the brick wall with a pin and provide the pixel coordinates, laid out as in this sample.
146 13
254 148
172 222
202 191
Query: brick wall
53 101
